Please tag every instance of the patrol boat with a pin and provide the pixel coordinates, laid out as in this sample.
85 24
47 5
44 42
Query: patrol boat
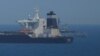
37 30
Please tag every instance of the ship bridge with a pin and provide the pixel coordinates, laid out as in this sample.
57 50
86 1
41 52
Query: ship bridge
35 25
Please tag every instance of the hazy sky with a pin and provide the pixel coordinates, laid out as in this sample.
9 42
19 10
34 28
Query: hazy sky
69 11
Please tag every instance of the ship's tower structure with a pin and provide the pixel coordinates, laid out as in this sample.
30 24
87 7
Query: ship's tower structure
52 25
39 27
35 25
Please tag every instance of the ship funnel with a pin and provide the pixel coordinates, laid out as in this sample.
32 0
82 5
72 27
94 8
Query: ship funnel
52 24
52 20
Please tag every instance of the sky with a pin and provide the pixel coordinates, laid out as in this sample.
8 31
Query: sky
69 11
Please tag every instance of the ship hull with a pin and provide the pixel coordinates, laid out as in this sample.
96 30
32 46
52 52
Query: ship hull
22 38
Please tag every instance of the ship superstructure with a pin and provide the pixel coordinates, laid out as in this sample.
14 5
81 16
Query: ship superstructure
35 26
41 27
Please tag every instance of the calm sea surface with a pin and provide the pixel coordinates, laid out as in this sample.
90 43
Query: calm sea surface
85 46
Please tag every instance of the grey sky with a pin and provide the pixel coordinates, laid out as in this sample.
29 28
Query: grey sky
69 11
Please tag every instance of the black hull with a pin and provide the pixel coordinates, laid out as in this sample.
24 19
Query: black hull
22 38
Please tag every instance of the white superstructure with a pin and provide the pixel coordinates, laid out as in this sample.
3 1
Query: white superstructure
38 27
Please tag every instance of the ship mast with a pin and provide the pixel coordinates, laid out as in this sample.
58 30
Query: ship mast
36 16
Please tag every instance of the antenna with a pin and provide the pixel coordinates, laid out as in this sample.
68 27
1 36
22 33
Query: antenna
29 16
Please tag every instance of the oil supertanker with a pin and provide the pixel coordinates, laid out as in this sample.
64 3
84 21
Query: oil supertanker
37 30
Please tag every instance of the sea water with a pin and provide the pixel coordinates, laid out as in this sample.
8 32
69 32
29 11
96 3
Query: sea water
81 46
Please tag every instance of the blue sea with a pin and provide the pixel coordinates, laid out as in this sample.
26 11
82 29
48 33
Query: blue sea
81 46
